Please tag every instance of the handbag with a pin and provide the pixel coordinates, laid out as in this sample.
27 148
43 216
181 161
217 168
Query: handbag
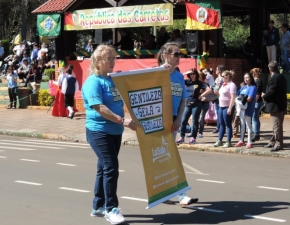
209 98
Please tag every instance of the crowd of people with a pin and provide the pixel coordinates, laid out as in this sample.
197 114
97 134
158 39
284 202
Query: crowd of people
26 65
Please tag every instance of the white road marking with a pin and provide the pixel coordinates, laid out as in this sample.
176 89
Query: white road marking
3 157
26 182
22 149
30 160
135 199
206 209
73 189
211 181
65 164
121 170
33 144
272 188
44 143
59 142
193 169
264 218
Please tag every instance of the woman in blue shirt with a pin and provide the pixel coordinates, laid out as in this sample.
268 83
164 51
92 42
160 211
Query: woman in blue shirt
104 127
250 90
169 55
12 86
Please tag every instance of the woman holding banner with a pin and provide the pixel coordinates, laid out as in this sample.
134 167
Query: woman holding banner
169 56
104 127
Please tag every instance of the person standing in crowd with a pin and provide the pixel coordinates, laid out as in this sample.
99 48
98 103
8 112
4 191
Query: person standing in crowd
162 38
276 105
273 40
215 87
90 47
250 90
259 103
237 122
23 69
209 77
204 106
69 87
170 54
285 48
250 52
12 86
1 53
59 108
194 87
227 95
104 127
264 44
34 53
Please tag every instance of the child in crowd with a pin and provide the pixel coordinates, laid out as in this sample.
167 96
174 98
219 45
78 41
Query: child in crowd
69 87
236 121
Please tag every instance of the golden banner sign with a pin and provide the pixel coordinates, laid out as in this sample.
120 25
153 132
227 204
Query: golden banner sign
147 95
117 17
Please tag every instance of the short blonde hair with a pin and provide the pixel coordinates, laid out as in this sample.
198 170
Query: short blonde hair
97 56
229 73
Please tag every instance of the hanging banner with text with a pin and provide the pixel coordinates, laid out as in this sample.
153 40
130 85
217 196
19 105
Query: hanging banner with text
147 95
118 17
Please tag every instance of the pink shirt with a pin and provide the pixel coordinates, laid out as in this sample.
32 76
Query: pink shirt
225 93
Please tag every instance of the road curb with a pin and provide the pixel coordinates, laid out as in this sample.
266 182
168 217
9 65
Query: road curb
210 148
38 135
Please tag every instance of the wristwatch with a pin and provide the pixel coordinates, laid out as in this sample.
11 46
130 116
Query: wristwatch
121 122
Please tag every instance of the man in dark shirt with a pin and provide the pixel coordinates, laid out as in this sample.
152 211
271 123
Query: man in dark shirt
162 38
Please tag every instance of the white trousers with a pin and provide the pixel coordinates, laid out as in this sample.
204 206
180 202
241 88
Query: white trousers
246 121
272 53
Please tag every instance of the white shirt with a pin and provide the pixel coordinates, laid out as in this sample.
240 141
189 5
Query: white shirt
209 79
64 85
17 48
45 50
60 79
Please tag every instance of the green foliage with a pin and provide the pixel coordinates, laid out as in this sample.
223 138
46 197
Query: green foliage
50 73
44 98
235 31
177 24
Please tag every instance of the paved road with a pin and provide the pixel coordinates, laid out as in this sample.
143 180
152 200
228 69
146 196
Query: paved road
50 183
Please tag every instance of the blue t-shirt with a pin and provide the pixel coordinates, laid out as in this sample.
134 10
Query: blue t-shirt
250 91
98 90
178 90
193 89
11 82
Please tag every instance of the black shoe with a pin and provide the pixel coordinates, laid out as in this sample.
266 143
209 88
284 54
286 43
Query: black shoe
189 136
215 131
268 146
256 138
72 115
276 149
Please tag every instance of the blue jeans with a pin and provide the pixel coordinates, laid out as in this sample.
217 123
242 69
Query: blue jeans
225 121
204 109
217 106
107 148
285 62
256 117
194 111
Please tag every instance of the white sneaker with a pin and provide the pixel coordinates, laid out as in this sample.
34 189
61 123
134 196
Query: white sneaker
200 136
115 216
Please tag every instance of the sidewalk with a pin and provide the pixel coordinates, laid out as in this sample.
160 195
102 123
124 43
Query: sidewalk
40 124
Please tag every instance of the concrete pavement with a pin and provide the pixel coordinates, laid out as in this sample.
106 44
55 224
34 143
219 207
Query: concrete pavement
40 124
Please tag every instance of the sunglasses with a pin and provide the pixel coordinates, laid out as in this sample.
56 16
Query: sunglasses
176 54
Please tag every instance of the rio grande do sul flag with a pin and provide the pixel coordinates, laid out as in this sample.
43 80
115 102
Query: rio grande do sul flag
203 16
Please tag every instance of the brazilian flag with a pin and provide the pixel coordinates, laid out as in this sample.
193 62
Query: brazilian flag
48 25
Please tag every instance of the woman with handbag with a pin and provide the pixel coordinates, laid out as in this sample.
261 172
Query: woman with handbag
204 105
193 104
12 86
